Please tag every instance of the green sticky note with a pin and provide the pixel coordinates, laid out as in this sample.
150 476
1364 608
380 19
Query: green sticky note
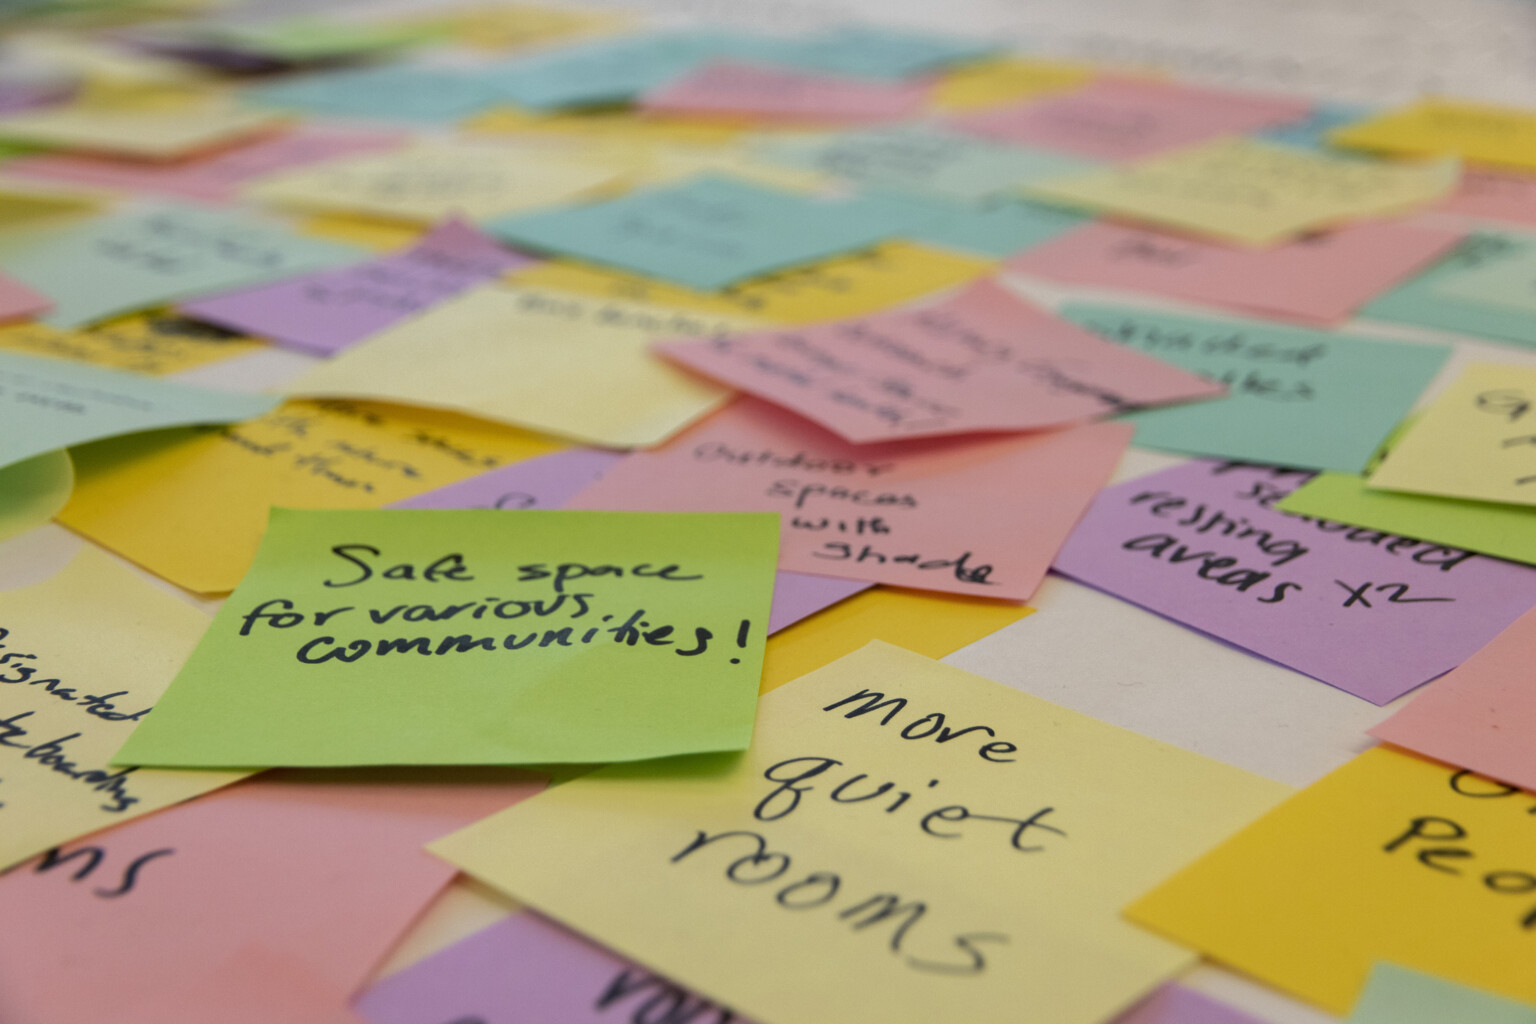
1397 995
46 404
477 636
155 254
33 491
1437 299
998 227
1298 398
1506 283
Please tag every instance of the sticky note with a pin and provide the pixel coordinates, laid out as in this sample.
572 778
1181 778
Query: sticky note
1311 130
1477 132
153 343
596 72
434 180
49 403
1494 194
758 90
871 51
519 355
1251 193
157 253
1294 397
988 83
1126 119
566 637
191 505
1472 442
1174 1004
1424 300
926 514
1507 283
154 134
389 93
1362 610
1398 995
510 26
87 654
1320 278
204 909
17 301
995 885
1389 858
706 233
981 360
996 227
33 490
327 311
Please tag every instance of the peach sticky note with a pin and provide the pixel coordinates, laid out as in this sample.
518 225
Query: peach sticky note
728 88
1492 194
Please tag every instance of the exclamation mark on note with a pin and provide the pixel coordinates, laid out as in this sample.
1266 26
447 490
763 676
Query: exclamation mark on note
741 638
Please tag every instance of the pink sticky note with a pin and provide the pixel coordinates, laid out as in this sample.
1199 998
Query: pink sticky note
1483 715
527 969
318 870
1125 119
215 177
328 310
1174 1004
983 360
981 517
1487 193
1321 278
1366 611
17 301
726 87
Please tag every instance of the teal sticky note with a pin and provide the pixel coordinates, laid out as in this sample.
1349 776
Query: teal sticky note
46 404
709 232
601 72
1426 302
1397 995
1508 283
431 95
998 227
1298 398
159 253
1311 132
864 51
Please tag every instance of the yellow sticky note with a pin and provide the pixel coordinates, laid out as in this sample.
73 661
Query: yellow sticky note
434 180
1251 192
380 235
191 504
903 842
1390 857
607 126
843 287
32 491
518 25
559 362
1478 440
153 132
1008 80
930 624
87 654
1477 132
152 343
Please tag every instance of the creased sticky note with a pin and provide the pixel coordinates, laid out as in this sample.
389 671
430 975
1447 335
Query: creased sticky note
462 636
987 83
17 301
1362 610
33 491
521 355
982 518
388 93
49 403
434 180
152 343
1477 132
1493 194
762 91
1475 441
1389 858
85 656
709 232
1249 192
1294 397
191 505
1427 300
157 134
1126 119
1397 995
327 311
204 911
157 253
981 360
1320 278
986 876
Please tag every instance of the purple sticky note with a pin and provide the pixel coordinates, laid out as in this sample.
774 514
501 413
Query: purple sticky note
1369 612
527 969
549 480
1172 1004
322 313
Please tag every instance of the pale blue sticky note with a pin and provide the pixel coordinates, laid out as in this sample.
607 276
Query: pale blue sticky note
1397 995
998 227
431 95
158 253
710 232
864 51
1311 132
1424 301
1299 398
602 72
46 404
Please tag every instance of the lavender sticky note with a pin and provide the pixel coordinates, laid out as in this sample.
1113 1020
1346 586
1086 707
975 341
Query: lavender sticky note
324 312
1174 1004
1369 612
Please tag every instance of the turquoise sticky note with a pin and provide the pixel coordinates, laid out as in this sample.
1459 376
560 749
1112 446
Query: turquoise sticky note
1397 995
1311 132
1508 282
864 51
156 254
709 232
1430 300
602 72
430 95
1297 398
46 404
998 227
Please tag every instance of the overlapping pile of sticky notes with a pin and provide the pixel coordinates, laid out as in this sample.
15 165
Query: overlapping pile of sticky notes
524 515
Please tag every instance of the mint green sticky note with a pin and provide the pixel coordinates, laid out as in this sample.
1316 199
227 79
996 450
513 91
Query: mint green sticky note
477 636
1506 283
159 253
1397 995
390 93
47 404
867 51
1436 297
998 227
